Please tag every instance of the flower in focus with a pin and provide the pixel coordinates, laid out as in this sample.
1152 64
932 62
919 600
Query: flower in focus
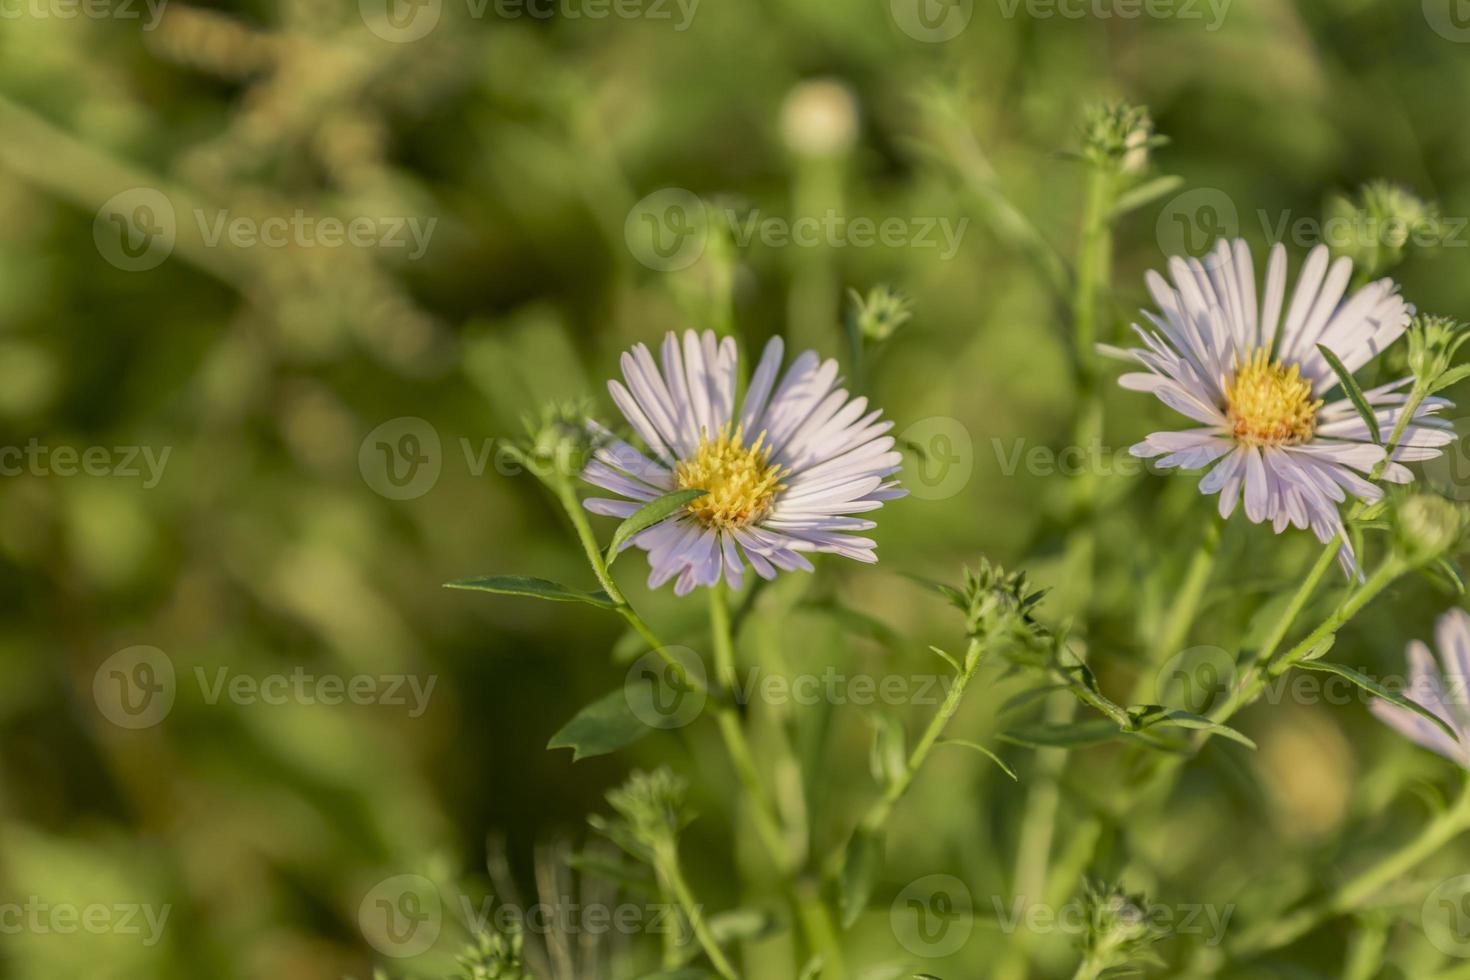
785 471
1259 387
1442 693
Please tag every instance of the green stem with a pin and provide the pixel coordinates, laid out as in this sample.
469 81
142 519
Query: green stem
1356 893
668 872
1174 630
877 814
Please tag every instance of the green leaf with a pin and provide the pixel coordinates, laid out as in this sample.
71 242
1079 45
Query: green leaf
1029 696
948 658
860 872
983 751
1451 377
1145 193
1063 736
887 758
1448 573
691 973
605 725
648 515
535 588
1350 385
1369 684
1154 715
813 968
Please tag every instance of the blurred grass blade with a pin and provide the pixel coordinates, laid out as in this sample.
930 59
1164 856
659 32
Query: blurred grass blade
983 751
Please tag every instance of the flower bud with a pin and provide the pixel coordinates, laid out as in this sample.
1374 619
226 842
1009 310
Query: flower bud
1426 527
878 315
819 119
1119 136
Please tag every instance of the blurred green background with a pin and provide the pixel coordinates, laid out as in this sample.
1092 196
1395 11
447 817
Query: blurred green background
266 544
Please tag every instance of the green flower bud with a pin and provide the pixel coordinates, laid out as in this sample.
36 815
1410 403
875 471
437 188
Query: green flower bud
1426 527
1119 930
1378 227
877 316
491 956
652 806
1119 136
1433 342
997 604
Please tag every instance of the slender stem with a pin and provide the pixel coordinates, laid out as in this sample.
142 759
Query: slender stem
1174 629
668 871
768 825
877 814
1358 891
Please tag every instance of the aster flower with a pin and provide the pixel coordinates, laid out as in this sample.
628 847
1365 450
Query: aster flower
785 471
1259 387
1443 693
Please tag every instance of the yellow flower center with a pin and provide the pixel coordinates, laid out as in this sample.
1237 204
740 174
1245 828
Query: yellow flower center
1270 404
741 480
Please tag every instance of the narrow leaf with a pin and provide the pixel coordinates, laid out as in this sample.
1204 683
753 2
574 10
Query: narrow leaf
1451 377
860 872
536 588
648 515
604 726
1154 715
983 751
1063 736
1369 684
948 658
1350 385
1145 193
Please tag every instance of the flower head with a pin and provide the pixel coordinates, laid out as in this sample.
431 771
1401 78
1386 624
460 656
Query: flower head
785 469
1274 424
1441 692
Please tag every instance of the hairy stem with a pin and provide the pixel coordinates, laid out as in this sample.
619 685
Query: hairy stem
667 864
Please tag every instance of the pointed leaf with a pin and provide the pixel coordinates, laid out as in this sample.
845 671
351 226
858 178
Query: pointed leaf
860 872
1369 684
983 751
536 588
647 516
1063 736
1350 386
605 725
1451 377
1146 192
1153 715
